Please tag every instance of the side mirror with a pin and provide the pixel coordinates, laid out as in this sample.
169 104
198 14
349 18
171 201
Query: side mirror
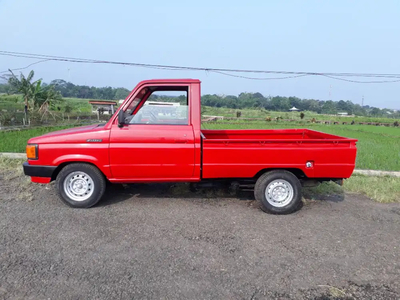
121 118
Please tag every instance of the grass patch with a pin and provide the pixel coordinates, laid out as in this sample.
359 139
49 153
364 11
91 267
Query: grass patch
15 141
11 164
11 169
324 190
12 172
383 189
378 147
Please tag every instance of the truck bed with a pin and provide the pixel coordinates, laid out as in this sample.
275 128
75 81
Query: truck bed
244 153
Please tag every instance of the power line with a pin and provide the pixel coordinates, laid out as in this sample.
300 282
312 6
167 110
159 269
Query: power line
257 78
18 69
358 81
222 71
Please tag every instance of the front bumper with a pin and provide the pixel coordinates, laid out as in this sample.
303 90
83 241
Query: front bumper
38 171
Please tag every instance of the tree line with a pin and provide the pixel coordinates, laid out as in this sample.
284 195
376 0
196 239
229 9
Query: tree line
243 100
68 89
279 103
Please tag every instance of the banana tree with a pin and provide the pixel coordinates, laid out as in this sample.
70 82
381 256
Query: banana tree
24 86
46 100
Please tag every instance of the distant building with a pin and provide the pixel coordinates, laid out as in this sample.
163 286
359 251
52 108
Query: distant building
162 103
294 109
343 113
103 107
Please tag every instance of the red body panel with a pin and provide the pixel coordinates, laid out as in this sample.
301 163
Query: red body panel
150 152
159 153
41 179
243 153
72 145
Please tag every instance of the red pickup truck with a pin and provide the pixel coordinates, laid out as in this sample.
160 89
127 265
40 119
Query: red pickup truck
147 143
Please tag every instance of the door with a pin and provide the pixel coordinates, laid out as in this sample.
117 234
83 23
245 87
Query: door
157 141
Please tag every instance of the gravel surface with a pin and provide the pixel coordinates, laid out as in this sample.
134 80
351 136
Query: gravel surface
162 241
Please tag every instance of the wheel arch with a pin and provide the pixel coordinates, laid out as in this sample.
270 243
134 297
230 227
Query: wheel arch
66 163
299 173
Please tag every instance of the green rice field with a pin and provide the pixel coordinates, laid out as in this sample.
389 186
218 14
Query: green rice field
15 141
378 147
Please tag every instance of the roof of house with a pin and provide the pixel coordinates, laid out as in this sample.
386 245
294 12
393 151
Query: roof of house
103 102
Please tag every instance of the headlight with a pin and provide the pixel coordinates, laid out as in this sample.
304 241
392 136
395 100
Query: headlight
32 151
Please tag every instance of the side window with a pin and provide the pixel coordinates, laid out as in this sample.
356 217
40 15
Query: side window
164 106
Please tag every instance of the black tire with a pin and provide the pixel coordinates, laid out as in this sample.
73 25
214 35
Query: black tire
92 178
290 185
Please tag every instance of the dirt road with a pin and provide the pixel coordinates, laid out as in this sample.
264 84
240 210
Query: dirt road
161 241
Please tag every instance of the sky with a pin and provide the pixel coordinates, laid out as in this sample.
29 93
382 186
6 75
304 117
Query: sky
359 36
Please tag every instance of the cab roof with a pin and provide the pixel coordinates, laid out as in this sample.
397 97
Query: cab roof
163 81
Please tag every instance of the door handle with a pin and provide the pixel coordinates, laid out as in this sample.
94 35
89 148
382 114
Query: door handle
181 141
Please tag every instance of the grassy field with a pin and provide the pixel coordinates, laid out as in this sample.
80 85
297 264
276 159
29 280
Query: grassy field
378 147
262 113
78 105
15 141
11 102
15 102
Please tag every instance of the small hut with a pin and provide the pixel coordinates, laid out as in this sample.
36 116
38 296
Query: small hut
294 109
103 107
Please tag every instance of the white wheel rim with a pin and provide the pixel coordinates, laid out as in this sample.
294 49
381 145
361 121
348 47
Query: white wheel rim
279 193
78 186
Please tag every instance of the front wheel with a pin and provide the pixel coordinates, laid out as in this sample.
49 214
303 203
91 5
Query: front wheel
80 185
278 191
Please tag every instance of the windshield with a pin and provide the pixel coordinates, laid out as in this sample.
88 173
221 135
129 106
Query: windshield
132 106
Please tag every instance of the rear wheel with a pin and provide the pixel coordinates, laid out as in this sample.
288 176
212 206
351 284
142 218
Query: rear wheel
278 191
80 185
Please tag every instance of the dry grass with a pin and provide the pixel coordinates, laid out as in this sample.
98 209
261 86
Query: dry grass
8 164
383 189
11 171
